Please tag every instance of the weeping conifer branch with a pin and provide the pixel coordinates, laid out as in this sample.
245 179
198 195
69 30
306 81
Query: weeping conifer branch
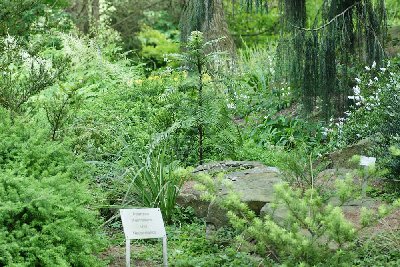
208 17
316 60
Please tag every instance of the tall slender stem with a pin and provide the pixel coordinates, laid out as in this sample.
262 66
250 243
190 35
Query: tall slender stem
200 107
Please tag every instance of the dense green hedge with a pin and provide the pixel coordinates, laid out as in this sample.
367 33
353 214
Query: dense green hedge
45 215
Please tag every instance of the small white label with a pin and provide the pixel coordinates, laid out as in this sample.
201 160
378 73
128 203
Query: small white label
142 223
367 161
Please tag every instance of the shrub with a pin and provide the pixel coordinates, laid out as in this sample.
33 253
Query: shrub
22 74
375 114
45 217
287 132
47 222
155 45
378 250
309 230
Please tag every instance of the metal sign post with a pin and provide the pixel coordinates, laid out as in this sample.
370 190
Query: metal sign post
128 253
143 224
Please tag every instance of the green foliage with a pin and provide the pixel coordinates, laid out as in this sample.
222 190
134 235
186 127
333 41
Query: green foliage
310 58
287 132
155 184
207 102
378 250
128 17
22 74
303 225
253 89
45 217
375 114
17 16
104 90
23 153
252 27
155 47
393 10
58 108
102 110
189 246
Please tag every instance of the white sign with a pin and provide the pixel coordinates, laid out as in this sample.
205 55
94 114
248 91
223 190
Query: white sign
367 161
143 224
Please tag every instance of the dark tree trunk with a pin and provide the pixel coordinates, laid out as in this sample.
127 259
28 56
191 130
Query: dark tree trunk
208 17
86 14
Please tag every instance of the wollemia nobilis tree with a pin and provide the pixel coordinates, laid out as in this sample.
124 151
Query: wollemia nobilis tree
208 17
317 60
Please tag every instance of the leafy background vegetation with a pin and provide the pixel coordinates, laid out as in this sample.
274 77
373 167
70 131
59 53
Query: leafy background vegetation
104 105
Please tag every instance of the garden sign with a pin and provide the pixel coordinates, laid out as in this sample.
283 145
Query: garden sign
143 224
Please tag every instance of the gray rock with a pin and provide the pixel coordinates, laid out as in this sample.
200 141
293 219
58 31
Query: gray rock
253 181
278 213
190 197
351 209
341 158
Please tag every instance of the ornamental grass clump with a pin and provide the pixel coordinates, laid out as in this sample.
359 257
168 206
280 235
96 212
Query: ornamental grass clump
155 183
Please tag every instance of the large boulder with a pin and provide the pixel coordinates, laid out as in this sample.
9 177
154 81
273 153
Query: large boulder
253 181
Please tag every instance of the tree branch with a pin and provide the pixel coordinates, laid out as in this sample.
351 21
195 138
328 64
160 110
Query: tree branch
329 22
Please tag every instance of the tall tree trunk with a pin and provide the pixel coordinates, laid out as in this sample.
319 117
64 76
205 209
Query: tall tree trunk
86 14
208 17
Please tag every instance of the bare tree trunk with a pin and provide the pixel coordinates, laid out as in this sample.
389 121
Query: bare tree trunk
95 11
86 14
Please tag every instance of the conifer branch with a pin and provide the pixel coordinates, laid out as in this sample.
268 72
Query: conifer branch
329 22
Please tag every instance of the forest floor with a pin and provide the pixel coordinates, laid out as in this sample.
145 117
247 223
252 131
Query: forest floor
116 253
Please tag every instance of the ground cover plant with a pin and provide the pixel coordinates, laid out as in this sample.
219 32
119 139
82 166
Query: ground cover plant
114 104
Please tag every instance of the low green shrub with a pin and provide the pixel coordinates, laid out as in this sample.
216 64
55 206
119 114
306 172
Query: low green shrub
46 217
155 46
308 231
188 246
47 222
378 250
287 132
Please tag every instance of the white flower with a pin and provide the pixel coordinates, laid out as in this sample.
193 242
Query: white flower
324 131
231 106
10 42
367 68
383 69
358 98
370 82
356 90
351 97
358 80
376 78
373 65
